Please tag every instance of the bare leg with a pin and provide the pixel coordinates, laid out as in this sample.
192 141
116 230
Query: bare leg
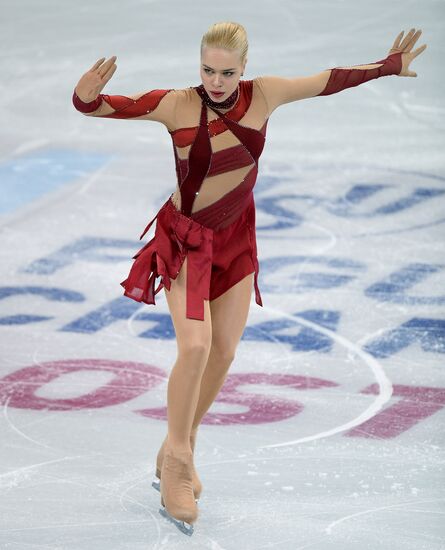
193 338
229 314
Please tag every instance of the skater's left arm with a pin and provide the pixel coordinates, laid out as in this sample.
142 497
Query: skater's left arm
278 90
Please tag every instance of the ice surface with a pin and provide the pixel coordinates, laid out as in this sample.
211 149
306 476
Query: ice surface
329 431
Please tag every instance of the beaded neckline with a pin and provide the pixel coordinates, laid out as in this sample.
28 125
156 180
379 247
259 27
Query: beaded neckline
226 104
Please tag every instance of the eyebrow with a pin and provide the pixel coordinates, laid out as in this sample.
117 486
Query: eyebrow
224 70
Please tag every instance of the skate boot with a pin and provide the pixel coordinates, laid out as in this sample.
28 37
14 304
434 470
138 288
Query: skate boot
197 485
177 499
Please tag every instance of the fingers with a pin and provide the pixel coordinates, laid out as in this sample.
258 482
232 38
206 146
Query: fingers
413 40
410 39
106 66
419 50
97 64
110 73
406 40
396 46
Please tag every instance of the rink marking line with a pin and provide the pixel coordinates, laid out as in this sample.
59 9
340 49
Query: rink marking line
371 510
384 383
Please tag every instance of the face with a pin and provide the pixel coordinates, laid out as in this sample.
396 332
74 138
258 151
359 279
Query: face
220 71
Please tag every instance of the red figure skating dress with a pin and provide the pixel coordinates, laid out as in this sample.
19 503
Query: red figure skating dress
210 218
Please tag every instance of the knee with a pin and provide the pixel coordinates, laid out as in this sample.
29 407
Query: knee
193 355
222 353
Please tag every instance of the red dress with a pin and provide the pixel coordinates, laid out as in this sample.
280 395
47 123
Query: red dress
216 159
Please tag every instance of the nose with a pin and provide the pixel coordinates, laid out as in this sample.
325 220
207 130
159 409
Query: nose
216 81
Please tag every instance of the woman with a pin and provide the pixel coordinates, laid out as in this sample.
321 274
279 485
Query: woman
204 246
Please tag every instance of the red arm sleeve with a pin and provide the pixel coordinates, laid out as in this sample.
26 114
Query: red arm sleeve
347 77
278 90
158 105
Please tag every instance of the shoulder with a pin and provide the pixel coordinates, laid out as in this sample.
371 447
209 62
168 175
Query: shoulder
186 94
185 98
170 94
266 84
259 82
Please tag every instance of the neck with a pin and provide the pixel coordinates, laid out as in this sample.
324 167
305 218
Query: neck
226 104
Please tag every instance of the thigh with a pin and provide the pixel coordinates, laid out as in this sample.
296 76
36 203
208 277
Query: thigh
188 331
229 313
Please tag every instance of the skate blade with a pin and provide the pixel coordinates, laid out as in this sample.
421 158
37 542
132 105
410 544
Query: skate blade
183 526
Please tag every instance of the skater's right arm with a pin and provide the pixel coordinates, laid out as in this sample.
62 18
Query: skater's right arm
157 104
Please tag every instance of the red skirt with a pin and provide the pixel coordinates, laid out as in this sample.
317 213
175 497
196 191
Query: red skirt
216 259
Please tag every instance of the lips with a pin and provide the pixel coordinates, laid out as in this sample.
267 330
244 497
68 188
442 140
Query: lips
217 93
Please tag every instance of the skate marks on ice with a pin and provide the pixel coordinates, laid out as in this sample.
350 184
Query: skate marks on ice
384 383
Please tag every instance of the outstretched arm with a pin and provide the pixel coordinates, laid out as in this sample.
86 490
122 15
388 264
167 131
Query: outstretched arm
158 105
278 90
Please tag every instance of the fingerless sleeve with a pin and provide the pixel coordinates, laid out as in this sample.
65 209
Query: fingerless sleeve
348 77
158 105
277 90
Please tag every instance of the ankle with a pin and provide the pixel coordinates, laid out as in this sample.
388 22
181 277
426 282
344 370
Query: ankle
178 446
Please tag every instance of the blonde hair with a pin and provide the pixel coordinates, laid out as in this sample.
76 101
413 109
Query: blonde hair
228 35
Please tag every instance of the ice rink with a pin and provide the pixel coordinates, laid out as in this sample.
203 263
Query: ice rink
328 433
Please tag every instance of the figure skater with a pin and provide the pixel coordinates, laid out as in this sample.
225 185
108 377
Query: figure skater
204 247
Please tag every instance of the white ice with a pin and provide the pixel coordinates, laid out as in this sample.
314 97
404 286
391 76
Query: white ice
329 431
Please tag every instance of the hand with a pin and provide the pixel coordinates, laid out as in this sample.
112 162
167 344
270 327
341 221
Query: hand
94 80
405 47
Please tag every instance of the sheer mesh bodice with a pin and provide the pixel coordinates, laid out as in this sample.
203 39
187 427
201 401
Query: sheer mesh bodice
216 175
217 151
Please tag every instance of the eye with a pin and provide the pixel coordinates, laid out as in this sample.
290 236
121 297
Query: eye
228 73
